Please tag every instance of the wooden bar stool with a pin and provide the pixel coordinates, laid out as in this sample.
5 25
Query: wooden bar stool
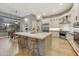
23 42
34 47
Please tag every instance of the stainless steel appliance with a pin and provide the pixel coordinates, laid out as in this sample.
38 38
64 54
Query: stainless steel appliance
62 34
76 25
76 34
45 27
76 37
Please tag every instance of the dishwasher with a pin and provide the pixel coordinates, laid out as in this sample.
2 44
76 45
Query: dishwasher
62 34
76 38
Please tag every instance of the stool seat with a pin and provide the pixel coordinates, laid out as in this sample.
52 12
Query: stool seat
23 42
34 42
35 47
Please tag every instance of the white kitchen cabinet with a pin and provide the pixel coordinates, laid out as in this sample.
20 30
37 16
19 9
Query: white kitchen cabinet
70 37
34 25
55 33
54 23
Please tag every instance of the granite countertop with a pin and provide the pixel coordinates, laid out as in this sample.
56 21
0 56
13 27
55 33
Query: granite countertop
54 29
57 29
74 30
71 31
40 35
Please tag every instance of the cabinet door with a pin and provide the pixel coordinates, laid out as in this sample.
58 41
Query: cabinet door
55 34
70 37
54 23
34 25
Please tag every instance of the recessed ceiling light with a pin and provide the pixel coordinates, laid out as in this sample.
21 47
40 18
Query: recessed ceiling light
25 19
38 17
16 22
60 3
7 24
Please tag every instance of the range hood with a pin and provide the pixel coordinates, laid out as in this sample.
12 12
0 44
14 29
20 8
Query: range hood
65 20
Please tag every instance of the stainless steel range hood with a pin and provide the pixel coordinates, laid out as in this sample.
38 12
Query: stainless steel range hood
65 20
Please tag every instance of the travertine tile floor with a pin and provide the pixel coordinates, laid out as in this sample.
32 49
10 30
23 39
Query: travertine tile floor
60 47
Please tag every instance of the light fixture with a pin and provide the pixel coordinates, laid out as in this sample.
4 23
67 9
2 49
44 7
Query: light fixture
60 3
25 19
7 24
16 22
38 17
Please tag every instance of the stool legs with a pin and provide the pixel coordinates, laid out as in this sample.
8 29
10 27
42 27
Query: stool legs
31 45
35 47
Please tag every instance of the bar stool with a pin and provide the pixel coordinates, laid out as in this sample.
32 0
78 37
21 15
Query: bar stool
23 44
15 37
26 39
34 47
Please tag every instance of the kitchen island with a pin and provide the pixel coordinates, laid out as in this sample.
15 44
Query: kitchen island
44 39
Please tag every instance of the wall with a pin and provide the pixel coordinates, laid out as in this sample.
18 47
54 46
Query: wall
22 25
74 13
32 23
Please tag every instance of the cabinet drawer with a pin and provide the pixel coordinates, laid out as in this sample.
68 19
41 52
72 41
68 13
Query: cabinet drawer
55 34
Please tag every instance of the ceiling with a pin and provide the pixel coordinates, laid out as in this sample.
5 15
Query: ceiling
43 9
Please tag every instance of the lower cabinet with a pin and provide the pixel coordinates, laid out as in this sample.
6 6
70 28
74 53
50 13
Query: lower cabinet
70 37
55 33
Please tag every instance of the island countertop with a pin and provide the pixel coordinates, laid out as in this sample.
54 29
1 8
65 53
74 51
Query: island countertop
38 35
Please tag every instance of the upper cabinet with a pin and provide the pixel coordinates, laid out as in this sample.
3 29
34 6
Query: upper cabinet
28 23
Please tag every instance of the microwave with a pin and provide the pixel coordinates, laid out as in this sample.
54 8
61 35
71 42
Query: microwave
76 25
